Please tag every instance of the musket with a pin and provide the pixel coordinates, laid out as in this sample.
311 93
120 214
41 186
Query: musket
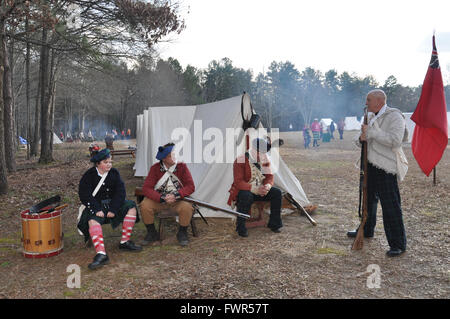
291 200
359 240
211 206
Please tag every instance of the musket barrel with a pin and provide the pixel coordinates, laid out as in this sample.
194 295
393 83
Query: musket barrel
210 206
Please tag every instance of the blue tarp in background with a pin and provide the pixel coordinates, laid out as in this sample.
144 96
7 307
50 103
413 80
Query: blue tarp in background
22 140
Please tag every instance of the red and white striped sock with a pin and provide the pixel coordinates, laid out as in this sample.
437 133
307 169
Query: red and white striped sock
127 226
97 239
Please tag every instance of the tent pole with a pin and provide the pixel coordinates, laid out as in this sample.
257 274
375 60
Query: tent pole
434 176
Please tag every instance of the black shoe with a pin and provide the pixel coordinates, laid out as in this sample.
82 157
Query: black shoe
394 252
152 235
243 232
352 234
99 261
240 227
182 236
276 230
130 246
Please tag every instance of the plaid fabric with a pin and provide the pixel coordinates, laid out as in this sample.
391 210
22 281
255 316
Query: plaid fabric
86 216
383 186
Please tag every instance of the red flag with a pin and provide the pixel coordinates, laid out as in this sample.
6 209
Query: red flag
430 136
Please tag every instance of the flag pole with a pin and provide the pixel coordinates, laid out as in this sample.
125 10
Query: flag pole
434 176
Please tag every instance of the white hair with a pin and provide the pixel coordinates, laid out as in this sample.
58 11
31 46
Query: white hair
379 94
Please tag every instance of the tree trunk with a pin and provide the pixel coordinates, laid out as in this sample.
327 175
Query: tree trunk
69 115
52 87
27 88
37 117
13 98
83 115
52 109
46 154
3 173
10 151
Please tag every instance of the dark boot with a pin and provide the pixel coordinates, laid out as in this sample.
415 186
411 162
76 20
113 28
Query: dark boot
99 261
394 252
352 234
182 236
152 235
129 246
240 227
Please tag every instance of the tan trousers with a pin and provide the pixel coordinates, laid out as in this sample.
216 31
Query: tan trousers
149 207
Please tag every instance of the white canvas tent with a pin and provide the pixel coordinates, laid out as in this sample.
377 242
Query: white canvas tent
327 122
411 125
56 139
212 179
352 123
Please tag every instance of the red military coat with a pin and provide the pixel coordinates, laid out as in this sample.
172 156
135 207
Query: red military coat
157 171
242 174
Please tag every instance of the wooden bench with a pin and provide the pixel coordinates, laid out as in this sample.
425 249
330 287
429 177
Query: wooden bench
164 215
123 152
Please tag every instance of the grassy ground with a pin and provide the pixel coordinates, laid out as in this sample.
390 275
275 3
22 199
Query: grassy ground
302 262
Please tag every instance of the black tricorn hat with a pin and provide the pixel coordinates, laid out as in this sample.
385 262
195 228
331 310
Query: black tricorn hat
261 145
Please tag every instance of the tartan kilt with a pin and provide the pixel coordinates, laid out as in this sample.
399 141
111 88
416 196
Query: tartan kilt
86 216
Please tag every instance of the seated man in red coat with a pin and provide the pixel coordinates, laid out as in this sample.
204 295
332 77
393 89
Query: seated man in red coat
165 186
253 181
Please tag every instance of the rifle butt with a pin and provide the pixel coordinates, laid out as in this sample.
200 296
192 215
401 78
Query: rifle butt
300 207
358 243
313 222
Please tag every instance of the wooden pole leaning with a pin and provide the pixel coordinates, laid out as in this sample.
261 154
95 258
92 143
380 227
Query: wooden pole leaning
359 239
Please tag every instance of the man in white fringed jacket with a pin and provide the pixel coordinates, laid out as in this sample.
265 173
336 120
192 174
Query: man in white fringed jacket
385 132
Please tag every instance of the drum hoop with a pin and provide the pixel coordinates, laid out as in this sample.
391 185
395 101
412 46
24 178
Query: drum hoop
61 246
43 255
53 214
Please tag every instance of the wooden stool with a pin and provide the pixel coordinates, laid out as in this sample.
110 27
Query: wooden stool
165 214
259 220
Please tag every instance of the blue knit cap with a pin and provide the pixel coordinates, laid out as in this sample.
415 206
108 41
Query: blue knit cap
164 151
101 155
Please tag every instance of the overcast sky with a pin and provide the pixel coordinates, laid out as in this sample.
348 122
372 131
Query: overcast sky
379 38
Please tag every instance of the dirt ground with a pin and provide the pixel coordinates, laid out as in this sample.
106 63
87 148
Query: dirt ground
301 262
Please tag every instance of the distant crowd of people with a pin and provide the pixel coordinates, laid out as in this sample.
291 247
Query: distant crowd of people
92 136
319 131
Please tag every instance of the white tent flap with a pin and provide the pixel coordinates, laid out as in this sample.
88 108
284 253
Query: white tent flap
212 145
